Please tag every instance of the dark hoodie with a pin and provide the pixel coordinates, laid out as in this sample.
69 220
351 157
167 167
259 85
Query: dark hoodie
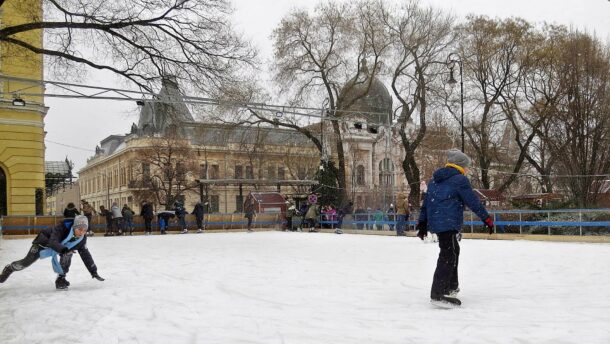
443 207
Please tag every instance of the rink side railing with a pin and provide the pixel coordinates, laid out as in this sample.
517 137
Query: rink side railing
550 222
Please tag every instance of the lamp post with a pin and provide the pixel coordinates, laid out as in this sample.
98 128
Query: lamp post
452 59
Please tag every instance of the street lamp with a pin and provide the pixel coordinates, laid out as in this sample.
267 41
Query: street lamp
452 60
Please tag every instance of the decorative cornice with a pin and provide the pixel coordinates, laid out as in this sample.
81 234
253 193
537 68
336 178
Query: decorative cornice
21 122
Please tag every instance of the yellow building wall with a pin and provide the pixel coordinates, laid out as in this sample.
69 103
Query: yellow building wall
22 127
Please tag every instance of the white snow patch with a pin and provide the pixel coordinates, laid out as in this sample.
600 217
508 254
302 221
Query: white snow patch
276 287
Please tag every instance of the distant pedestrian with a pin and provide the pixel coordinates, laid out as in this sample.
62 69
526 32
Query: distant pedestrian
359 217
88 211
290 212
346 210
117 218
199 212
249 211
311 218
402 213
181 215
148 214
391 217
107 214
379 219
163 218
70 211
442 213
127 218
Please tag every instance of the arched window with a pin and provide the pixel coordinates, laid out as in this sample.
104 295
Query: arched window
386 172
360 175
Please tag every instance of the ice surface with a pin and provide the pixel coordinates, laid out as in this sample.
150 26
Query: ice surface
276 287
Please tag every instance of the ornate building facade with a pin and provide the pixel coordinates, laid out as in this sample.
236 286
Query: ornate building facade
234 159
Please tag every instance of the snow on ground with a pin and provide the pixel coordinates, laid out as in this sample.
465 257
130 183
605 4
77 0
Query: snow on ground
276 287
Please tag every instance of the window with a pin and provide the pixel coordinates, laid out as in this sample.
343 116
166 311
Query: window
281 173
360 175
214 172
146 169
239 172
249 172
386 172
301 172
239 203
270 172
214 204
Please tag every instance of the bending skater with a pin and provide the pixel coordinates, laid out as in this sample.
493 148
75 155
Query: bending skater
63 240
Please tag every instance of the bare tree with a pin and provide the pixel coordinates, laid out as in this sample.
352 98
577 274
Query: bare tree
580 132
164 169
420 38
140 40
315 57
491 50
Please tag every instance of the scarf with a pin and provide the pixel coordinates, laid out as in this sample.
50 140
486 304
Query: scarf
49 252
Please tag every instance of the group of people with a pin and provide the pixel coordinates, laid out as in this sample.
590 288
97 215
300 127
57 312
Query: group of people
314 216
118 221
164 217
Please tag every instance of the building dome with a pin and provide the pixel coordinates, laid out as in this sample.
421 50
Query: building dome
375 103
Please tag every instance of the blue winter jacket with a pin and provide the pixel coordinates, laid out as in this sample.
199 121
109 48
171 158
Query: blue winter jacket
443 207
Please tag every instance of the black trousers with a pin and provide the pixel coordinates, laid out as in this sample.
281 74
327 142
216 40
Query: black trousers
199 222
65 260
148 224
446 273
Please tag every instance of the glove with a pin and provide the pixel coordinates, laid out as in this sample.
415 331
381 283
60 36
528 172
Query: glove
422 230
64 250
490 224
97 277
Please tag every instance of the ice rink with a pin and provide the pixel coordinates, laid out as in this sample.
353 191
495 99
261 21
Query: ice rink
277 287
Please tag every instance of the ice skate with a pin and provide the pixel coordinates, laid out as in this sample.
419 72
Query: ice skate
446 301
8 270
61 283
200 230
338 231
453 292
184 231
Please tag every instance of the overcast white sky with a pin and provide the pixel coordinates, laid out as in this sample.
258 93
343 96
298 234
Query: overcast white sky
84 123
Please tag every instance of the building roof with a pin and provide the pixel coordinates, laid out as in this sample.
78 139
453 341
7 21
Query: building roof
489 195
545 196
369 96
57 167
156 116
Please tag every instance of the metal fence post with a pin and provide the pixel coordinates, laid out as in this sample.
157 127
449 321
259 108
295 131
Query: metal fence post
580 220
520 225
548 218
471 225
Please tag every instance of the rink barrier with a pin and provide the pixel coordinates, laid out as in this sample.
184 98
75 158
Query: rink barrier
32 225
521 222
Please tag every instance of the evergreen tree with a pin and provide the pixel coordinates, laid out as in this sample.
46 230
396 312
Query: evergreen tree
327 187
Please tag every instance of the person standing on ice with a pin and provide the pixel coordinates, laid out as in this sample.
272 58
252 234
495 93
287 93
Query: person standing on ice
63 240
249 211
442 212
199 212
